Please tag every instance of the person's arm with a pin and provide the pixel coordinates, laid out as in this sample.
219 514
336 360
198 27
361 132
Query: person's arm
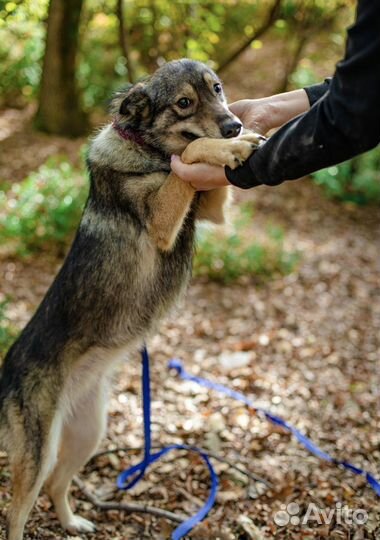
260 115
341 124
263 114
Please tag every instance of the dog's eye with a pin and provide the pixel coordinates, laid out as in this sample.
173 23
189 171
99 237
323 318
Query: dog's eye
218 88
184 103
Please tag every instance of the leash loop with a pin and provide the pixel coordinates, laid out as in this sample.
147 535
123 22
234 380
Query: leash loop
130 477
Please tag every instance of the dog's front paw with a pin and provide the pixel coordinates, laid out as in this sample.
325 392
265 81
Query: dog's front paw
236 151
231 152
77 524
252 137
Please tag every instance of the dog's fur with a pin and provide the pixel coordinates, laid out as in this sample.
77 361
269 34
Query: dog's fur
129 262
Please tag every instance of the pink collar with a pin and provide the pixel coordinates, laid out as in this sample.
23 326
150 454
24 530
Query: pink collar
128 134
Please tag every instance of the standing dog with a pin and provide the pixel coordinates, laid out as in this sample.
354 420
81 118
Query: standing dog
129 262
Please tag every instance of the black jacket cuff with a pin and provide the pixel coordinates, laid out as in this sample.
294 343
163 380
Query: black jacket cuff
316 91
242 176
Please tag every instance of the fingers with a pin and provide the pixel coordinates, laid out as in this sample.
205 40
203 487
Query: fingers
184 171
253 113
201 176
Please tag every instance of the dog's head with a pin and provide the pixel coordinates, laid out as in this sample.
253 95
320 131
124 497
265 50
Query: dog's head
180 102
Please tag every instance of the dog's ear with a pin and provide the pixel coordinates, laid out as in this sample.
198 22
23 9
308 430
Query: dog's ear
136 107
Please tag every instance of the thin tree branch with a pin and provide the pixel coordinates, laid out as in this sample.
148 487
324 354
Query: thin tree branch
124 40
272 15
253 476
127 507
292 64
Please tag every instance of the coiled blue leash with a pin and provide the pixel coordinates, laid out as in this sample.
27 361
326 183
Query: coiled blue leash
129 478
137 471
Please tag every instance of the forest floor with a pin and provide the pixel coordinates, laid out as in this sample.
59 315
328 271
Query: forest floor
306 346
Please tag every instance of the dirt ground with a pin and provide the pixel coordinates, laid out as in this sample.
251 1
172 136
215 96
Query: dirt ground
306 346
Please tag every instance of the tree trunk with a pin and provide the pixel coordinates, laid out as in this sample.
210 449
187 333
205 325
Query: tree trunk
59 110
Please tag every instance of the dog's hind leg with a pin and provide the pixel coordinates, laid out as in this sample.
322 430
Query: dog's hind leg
25 491
81 434
34 451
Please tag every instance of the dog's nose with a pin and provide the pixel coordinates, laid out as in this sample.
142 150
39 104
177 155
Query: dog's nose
231 129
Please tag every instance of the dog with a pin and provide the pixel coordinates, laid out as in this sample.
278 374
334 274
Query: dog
128 264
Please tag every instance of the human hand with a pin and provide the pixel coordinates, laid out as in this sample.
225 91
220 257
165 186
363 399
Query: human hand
262 115
200 176
254 114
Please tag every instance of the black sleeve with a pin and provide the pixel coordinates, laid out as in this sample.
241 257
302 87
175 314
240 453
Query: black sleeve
344 122
316 91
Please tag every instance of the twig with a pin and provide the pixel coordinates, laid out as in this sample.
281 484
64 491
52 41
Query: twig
127 507
192 498
252 476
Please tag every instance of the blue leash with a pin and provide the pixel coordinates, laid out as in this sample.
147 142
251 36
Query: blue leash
301 438
129 478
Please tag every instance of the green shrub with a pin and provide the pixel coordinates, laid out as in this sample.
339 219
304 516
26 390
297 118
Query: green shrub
43 209
226 257
22 35
357 180
8 332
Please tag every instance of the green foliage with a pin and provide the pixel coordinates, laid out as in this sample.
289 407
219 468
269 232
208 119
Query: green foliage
158 30
22 35
43 209
101 67
8 332
195 29
357 180
227 257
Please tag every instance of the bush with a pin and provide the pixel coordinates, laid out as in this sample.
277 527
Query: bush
227 257
43 209
357 180
22 36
